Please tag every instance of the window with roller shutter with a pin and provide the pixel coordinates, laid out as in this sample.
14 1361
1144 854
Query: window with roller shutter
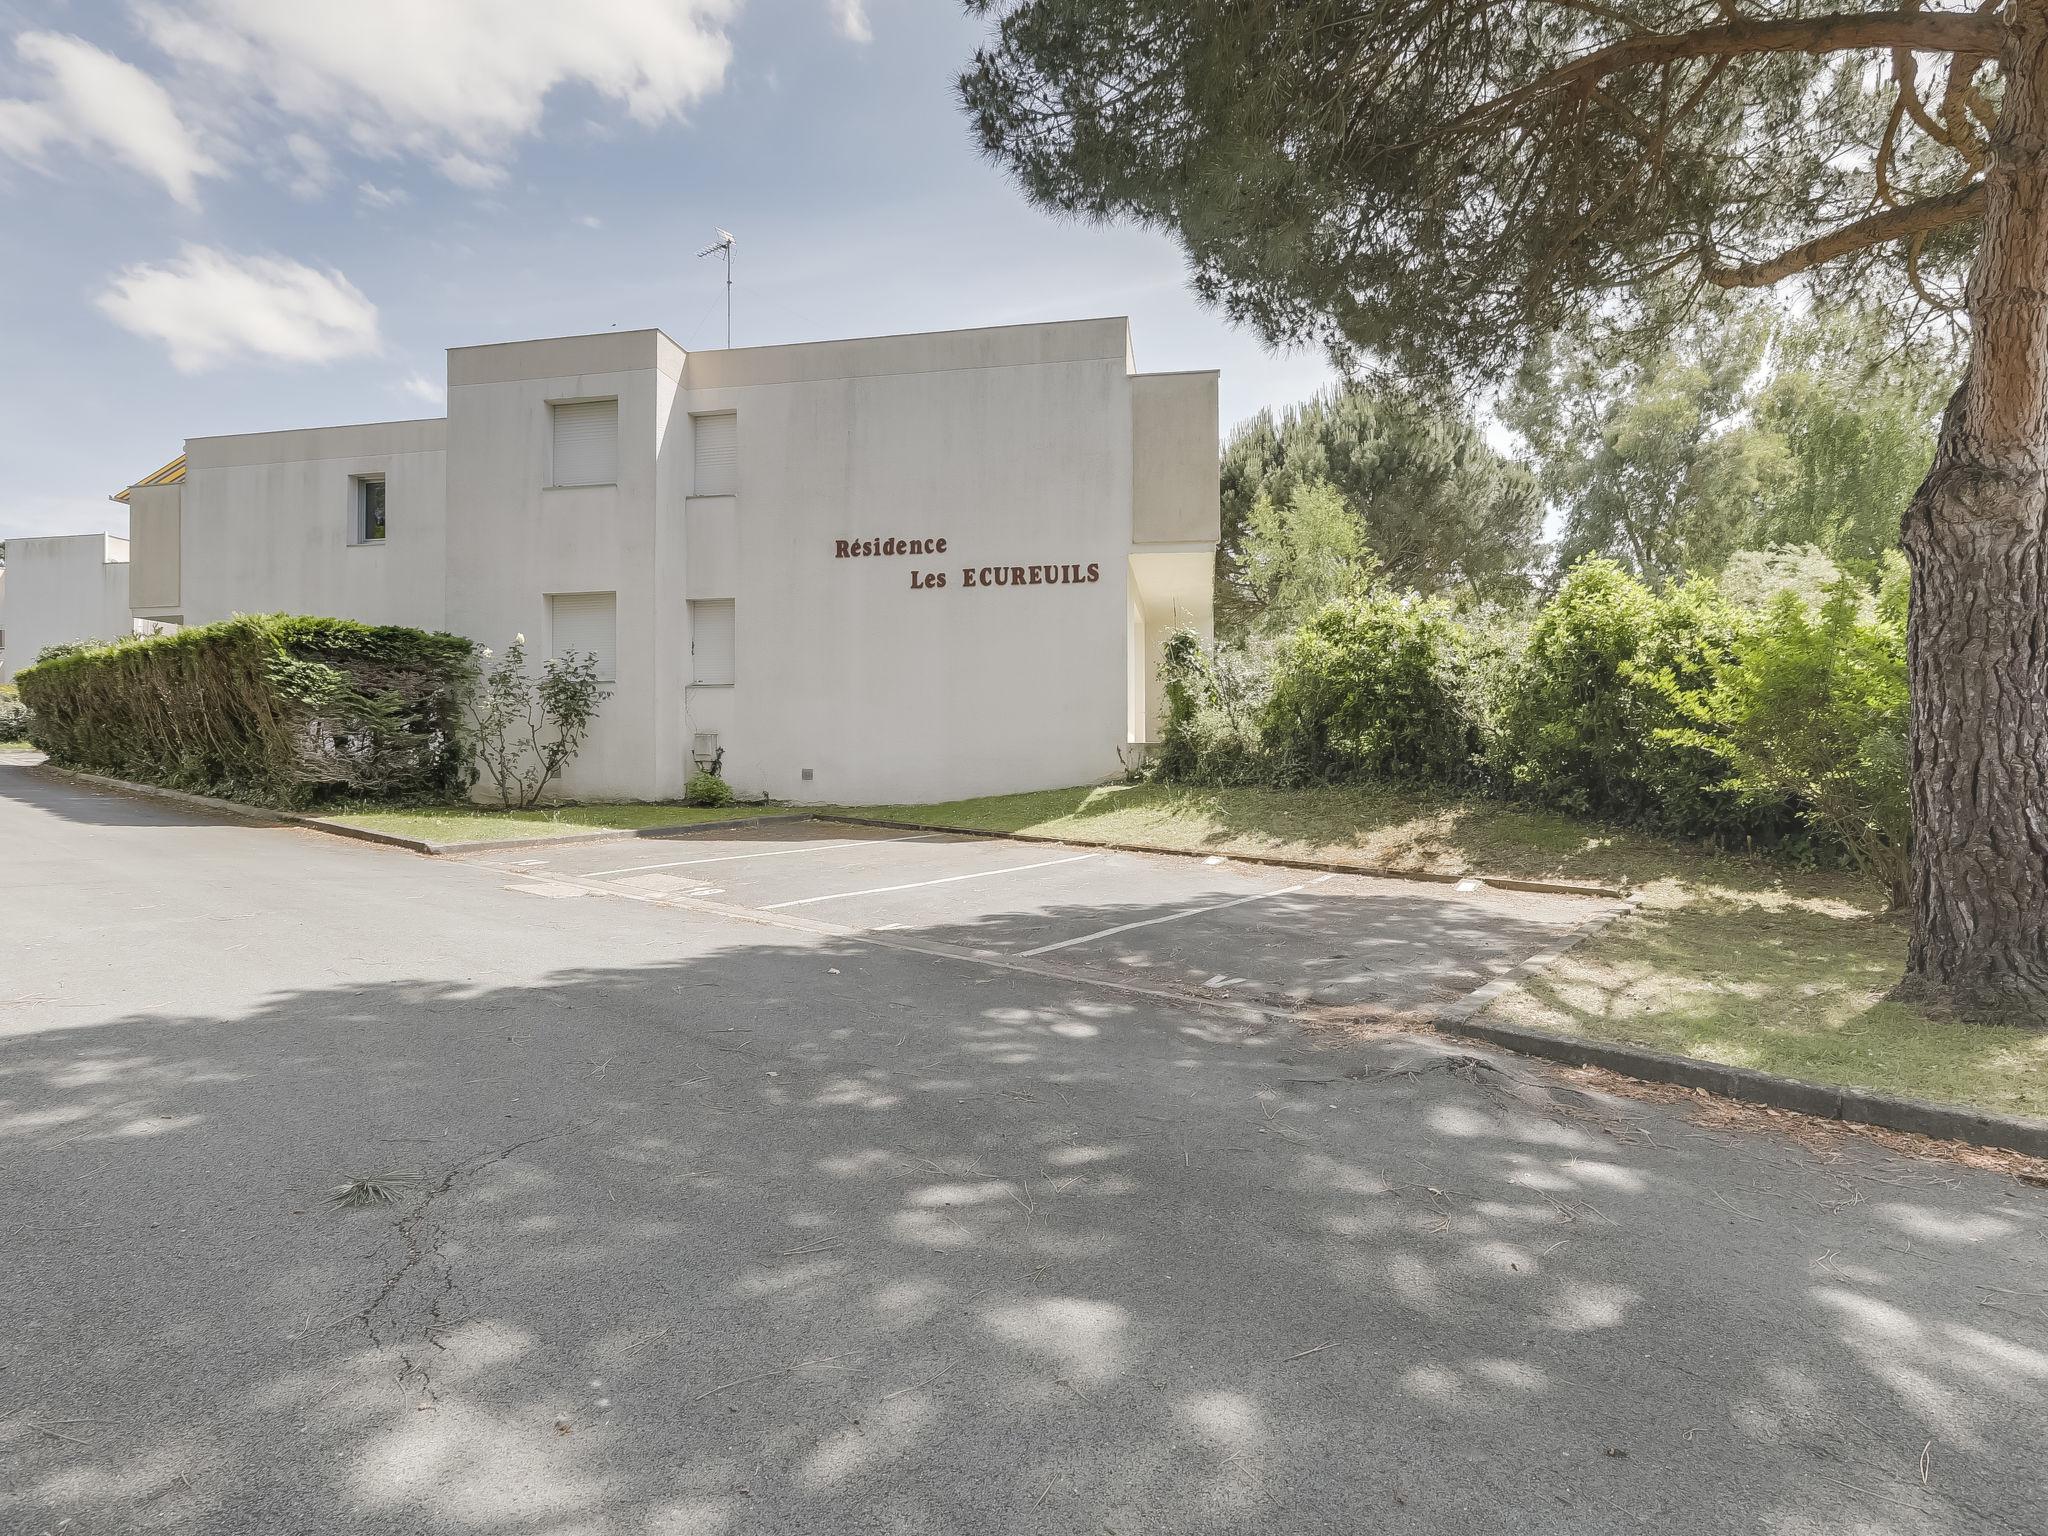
712 660
717 447
586 442
586 623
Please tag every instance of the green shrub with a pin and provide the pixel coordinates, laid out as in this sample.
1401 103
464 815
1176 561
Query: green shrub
706 789
1587 712
13 714
1372 686
1813 711
274 708
1213 697
527 729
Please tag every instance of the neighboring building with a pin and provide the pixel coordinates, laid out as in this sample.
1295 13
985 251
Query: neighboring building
896 569
59 591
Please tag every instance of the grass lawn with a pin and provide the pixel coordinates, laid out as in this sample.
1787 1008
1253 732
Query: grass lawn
451 825
1730 959
17 746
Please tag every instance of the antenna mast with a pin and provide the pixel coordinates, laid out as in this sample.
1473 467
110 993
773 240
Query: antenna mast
723 248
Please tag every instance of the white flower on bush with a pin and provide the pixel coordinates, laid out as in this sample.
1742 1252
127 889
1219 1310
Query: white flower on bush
525 729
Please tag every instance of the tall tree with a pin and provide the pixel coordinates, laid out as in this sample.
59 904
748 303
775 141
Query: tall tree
1435 183
1652 459
1441 510
1751 428
1300 553
1857 414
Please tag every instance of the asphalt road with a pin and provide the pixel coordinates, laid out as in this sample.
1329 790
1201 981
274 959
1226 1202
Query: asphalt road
709 1225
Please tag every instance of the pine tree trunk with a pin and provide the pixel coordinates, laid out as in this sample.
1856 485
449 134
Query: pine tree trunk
1977 537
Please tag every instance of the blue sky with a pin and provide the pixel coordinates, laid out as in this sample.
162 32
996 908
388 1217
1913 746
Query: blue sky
240 215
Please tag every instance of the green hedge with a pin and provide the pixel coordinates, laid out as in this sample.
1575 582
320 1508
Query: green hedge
277 709
1778 727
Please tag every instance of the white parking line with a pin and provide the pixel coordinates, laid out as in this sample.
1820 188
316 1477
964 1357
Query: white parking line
883 890
1147 922
772 853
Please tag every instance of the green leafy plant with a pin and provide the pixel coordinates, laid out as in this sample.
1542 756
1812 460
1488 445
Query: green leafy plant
1371 687
273 708
526 728
1813 711
1302 553
1585 713
706 788
13 714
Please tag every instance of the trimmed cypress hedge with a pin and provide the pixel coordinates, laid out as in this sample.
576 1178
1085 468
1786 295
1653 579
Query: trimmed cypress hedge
272 708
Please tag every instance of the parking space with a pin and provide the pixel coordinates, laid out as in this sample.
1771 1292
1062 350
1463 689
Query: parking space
1211 926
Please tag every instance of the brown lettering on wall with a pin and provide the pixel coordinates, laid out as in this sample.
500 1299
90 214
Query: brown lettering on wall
921 580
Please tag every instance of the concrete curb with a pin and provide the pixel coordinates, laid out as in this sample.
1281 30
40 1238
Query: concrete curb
595 835
394 840
1825 1101
1277 861
231 807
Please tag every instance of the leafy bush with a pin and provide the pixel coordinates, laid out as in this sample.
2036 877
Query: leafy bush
1373 687
13 714
1813 711
707 789
1680 710
1214 698
273 708
527 729
1589 718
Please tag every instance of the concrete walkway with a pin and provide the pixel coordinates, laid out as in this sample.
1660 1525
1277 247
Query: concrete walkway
703 1225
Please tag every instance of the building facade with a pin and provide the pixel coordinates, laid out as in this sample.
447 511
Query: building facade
59 591
904 568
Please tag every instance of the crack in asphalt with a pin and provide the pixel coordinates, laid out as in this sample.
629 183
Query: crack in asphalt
382 1318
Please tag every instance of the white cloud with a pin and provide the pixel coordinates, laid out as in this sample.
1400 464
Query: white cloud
313 167
94 101
468 171
373 196
425 390
454 82
851 17
210 307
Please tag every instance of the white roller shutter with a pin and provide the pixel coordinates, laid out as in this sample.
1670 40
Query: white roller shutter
587 442
711 641
717 455
588 624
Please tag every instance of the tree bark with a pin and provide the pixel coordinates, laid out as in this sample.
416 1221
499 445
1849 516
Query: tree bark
1977 536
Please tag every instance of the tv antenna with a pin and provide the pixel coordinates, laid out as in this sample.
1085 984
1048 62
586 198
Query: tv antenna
723 247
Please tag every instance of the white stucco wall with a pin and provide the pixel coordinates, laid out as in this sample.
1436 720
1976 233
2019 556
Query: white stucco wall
1012 445
514 539
62 590
155 555
265 525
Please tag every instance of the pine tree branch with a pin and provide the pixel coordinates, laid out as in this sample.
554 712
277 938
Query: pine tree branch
1924 31
1921 218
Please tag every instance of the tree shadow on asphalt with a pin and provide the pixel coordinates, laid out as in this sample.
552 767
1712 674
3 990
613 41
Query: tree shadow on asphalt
775 1238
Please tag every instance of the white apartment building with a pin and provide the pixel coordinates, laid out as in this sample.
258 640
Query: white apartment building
904 568
58 591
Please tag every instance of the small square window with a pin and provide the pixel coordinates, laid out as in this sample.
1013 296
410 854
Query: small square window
367 517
